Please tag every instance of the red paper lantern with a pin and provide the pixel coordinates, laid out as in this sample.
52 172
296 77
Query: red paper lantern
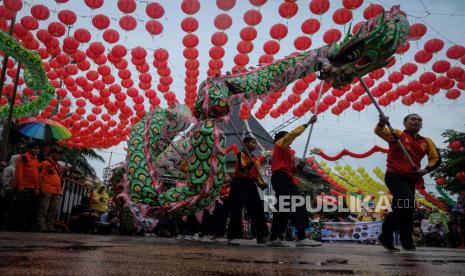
94 4
189 24
455 145
440 181
453 94
319 7
434 45
288 9
241 59
225 5
358 106
271 47
423 56
278 31
119 51
310 26
190 40
302 43
265 59
417 31
67 17
154 27
257 3
396 77
30 23
455 72
244 47
455 52
427 77
127 6
111 36
403 48
408 69
342 16
101 21
82 35
248 33
13 5
252 17
377 74
97 48
331 36
441 66
40 12
460 176
217 39
56 29
222 21
190 7
372 11
127 23
155 10
352 4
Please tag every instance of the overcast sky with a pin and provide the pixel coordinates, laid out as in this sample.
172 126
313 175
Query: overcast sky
351 130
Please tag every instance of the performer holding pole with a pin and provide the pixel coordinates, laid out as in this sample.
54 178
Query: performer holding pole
406 150
284 184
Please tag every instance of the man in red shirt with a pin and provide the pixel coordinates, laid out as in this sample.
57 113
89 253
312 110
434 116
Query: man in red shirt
50 190
401 178
284 184
27 186
244 193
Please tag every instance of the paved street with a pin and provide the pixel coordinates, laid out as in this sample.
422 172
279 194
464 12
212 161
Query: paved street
69 254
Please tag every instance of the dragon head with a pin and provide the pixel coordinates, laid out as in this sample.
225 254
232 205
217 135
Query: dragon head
370 48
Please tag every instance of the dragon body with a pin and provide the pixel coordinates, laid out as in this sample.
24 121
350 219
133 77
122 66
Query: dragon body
370 48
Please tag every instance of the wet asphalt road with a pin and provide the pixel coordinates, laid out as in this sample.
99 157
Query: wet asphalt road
70 254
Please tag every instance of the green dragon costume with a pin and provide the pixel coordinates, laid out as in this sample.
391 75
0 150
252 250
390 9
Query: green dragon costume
367 50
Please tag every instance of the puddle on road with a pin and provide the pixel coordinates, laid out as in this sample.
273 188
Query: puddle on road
327 262
436 261
30 248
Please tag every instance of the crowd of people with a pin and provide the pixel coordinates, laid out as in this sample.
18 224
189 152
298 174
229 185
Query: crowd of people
31 191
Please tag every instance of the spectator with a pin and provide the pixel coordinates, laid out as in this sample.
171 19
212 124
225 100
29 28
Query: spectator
50 189
100 200
3 201
83 217
27 186
458 220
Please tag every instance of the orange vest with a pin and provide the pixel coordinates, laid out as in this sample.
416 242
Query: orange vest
50 173
27 172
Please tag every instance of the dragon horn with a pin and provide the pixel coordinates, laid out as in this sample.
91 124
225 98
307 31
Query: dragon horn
348 33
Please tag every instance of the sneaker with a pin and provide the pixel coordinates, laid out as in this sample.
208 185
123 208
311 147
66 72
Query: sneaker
205 239
195 237
220 239
233 242
409 246
180 237
307 242
262 240
188 237
387 245
277 243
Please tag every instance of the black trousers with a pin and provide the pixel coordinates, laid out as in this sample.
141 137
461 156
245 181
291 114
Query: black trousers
215 224
244 193
402 189
283 186
22 215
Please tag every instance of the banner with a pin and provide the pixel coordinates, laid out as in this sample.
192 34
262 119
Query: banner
350 231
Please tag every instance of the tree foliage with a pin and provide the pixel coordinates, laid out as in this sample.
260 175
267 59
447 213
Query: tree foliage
453 161
78 158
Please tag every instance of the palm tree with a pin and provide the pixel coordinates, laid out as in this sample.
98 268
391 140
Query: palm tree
77 158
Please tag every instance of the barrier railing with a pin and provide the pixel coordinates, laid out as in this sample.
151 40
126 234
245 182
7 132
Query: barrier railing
73 192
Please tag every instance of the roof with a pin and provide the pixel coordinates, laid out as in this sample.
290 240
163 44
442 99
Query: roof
256 128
